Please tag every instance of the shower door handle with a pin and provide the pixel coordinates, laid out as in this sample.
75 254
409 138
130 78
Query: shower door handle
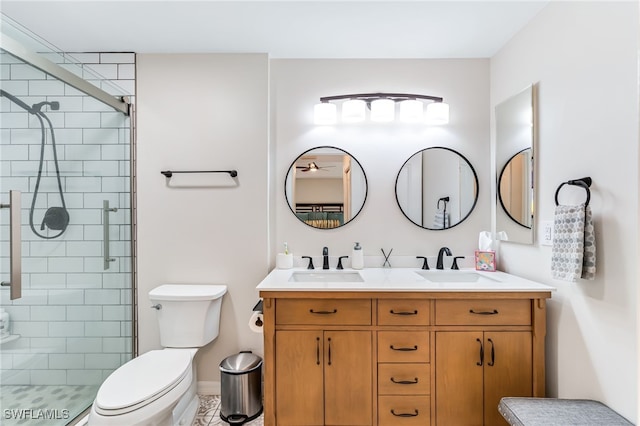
15 242
105 223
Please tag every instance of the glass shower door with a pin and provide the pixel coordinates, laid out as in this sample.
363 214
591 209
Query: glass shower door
68 156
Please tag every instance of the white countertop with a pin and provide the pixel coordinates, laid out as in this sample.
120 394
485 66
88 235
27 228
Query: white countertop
403 279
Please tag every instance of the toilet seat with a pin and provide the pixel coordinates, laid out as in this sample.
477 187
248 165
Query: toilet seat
139 382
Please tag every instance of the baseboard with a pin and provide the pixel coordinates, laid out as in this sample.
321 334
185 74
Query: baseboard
209 388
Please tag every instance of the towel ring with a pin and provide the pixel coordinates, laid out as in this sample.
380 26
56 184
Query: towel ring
584 183
445 200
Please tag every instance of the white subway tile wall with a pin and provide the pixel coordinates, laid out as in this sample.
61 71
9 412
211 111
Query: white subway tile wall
74 319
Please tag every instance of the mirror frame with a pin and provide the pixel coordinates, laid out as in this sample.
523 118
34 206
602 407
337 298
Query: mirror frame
477 187
504 208
293 163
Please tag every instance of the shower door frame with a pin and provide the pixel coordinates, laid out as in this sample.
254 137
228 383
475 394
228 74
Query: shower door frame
120 104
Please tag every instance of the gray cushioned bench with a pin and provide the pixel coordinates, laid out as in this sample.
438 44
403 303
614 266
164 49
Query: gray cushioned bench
558 412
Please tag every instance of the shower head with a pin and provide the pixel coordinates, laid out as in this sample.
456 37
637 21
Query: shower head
54 105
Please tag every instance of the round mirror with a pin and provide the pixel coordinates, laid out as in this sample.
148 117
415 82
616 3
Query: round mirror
437 188
515 188
325 187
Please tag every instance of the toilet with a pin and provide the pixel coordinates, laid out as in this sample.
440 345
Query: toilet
159 387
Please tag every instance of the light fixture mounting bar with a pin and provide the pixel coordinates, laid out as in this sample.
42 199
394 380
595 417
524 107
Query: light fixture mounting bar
368 97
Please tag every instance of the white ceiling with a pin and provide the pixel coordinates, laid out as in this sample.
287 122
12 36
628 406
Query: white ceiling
284 29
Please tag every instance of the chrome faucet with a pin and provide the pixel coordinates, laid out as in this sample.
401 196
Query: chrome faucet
325 258
441 253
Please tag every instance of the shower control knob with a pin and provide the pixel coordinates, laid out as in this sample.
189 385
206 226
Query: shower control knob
156 307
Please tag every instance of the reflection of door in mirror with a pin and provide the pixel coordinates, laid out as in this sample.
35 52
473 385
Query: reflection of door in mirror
436 188
515 187
515 127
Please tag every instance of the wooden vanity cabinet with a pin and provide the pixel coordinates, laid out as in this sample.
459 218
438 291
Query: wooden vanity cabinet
322 368
474 369
404 362
413 358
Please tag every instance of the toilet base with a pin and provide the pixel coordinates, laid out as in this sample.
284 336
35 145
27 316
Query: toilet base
186 410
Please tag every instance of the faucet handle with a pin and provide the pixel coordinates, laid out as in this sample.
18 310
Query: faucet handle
425 265
455 262
310 266
340 262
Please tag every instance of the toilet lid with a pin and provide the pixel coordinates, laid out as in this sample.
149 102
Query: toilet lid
141 379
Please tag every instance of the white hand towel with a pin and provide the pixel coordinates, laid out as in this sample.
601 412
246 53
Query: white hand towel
573 254
441 220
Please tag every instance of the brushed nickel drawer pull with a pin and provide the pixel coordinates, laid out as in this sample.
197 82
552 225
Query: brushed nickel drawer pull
405 382
335 311
414 348
494 312
392 312
414 414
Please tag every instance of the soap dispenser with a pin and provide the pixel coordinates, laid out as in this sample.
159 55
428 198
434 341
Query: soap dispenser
357 257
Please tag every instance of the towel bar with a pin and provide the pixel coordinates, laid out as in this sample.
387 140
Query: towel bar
169 173
584 182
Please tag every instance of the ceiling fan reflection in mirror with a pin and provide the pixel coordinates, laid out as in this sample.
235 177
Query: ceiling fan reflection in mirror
313 167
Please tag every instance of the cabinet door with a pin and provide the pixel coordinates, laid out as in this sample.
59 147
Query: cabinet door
348 378
299 382
508 370
459 378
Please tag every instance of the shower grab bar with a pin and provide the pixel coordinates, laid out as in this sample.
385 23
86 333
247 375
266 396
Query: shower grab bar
105 223
15 241
169 173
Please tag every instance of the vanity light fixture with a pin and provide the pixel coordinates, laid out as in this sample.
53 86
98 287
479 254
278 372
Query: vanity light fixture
382 108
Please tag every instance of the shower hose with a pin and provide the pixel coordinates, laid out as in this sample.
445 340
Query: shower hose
55 218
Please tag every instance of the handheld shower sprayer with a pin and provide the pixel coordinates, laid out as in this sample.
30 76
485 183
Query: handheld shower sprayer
55 218
54 105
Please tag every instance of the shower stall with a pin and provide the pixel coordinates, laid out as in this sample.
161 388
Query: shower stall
66 248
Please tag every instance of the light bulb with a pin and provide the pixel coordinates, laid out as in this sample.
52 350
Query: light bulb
437 113
324 113
353 110
411 111
383 110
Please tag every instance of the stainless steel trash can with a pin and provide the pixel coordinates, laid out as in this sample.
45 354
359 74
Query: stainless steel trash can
241 388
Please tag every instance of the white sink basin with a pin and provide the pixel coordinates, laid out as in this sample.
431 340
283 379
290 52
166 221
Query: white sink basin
455 277
327 276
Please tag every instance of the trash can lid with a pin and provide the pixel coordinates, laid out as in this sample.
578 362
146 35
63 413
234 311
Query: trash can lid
240 363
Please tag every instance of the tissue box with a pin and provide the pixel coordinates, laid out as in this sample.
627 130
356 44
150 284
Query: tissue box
485 260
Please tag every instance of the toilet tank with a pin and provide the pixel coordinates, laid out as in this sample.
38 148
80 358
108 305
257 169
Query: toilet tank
188 314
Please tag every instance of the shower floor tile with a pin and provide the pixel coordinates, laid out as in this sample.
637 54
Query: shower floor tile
49 405
209 413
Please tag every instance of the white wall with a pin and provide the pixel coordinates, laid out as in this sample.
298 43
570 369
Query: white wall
381 149
203 112
584 58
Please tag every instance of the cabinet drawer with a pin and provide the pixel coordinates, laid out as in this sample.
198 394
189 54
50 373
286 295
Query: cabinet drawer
403 312
323 311
403 346
404 410
404 379
483 312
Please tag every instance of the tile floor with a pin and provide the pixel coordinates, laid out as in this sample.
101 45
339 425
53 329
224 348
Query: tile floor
209 413
43 405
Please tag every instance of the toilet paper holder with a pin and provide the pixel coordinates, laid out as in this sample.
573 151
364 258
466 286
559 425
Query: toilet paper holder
258 306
